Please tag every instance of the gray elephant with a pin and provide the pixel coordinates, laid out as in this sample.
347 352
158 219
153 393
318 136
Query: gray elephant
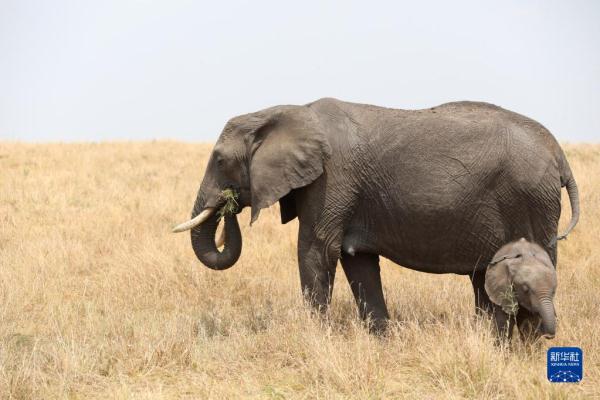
521 283
438 190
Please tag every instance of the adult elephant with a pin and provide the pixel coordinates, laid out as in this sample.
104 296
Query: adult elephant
438 190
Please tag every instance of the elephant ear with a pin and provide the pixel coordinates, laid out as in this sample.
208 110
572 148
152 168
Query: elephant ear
287 152
498 286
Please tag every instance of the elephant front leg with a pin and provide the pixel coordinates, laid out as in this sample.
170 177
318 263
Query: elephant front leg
317 274
504 323
363 273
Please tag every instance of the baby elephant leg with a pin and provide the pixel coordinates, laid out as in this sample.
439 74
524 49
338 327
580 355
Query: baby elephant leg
504 324
363 273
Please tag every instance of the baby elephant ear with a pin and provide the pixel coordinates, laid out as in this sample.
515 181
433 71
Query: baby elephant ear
497 281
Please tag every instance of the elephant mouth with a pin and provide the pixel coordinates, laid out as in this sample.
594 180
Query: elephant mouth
226 204
533 327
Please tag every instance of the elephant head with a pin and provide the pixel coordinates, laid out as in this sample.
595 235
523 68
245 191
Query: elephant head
522 275
260 157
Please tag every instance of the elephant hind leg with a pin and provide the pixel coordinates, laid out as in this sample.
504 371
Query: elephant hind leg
483 304
363 273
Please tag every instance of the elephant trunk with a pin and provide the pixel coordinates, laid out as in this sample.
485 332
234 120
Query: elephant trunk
548 316
203 243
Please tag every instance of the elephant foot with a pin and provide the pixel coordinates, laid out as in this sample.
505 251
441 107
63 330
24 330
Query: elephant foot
317 300
377 326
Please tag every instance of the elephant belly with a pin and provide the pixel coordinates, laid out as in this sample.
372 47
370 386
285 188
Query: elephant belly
437 238
450 238
422 249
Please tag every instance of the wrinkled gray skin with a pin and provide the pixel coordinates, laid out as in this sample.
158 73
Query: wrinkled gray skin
522 272
438 190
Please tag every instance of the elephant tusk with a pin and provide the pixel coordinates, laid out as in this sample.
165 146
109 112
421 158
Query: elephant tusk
194 222
220 238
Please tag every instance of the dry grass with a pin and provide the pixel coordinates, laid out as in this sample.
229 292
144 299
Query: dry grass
99 300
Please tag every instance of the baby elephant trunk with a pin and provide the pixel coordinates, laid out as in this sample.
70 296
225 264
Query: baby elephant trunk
548 316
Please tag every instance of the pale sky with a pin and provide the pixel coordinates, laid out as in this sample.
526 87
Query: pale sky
138 70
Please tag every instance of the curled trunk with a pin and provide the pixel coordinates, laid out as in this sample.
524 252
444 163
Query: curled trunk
203 243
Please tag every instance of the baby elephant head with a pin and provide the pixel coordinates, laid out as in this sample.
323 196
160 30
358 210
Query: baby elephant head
522 275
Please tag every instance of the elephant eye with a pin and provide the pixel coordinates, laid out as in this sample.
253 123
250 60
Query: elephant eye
220 161
525 288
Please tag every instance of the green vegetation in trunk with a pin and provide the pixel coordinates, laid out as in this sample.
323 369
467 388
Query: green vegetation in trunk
230 207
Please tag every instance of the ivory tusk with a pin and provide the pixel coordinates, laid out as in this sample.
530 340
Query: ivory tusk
194 222
220 238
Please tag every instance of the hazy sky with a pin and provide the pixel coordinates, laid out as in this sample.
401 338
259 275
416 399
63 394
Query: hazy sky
105 70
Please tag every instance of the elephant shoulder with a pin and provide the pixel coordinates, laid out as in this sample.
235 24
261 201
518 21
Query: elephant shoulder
468 106
325 102
334 106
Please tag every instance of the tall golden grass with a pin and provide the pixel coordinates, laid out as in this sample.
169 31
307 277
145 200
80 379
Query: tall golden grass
98 299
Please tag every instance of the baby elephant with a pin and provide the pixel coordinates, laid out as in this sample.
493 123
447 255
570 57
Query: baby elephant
521 282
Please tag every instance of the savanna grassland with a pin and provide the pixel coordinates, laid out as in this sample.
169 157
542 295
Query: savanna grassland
98 299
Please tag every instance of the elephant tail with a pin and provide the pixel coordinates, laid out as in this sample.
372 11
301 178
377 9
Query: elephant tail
574 200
